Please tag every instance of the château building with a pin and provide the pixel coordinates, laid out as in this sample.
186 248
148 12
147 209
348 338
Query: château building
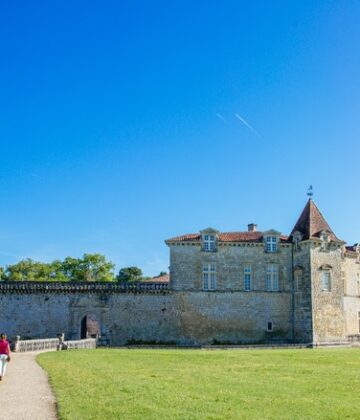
225 287
304 287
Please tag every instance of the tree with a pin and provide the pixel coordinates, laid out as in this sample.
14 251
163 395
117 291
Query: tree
70 269
28 270
56 271
131 274
92 267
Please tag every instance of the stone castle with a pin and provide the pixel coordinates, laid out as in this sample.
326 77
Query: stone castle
225 288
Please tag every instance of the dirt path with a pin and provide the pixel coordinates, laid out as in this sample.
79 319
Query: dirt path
25 392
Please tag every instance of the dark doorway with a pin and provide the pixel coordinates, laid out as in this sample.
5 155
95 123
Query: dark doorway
90 327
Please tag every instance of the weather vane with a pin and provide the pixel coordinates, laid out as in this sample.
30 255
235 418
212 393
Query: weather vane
310 191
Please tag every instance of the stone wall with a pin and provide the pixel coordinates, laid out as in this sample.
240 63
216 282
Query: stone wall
34 315
303 322
182 317
234 317
351 272
187 259
327 307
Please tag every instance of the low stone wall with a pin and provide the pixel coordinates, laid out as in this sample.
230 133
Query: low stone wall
21 346
35 345
88 343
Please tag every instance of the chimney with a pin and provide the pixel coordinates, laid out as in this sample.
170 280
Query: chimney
252 227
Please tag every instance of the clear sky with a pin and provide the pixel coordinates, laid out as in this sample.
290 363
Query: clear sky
118 125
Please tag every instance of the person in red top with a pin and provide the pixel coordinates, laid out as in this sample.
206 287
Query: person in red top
4 354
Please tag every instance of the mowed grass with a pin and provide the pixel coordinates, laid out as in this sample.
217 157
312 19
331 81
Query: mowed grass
203 384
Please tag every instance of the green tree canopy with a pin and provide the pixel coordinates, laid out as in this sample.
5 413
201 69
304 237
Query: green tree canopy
94 267
91 267
130 274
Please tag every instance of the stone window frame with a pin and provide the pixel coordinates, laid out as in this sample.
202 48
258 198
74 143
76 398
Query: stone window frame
209 240
247 277
209 243
270 326
326 281
298 277
209 276
271 241
272 278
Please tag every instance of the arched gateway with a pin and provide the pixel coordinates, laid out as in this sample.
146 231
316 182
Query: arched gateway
90 327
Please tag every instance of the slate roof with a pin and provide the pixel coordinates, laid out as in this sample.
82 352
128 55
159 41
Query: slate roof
311 223
351 248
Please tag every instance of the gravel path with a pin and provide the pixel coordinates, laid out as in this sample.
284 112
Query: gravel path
25 392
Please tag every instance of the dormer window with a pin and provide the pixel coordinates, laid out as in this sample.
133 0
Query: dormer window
209 242
271 244
209 238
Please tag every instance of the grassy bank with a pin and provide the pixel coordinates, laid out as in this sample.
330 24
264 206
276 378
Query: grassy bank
198 384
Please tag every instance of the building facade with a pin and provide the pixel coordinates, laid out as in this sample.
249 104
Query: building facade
303 288
225 288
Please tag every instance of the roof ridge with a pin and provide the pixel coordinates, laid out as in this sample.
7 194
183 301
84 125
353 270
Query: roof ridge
231 236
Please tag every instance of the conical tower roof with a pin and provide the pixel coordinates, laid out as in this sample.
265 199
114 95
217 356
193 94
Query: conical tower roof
311 223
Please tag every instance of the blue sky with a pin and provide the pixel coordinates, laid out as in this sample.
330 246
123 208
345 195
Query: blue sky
118 124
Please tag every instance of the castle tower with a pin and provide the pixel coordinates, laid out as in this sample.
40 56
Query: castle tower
318 286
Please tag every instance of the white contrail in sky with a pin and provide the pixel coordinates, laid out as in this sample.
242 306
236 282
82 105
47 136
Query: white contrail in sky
239 117
221 117
34 175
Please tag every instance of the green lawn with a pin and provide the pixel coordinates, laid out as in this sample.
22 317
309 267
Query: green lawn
201 384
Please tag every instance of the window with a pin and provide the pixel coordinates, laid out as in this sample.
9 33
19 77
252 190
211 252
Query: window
272 278
209 276
326 278
271 244
209 243
358 284
247 278
269 326
298 277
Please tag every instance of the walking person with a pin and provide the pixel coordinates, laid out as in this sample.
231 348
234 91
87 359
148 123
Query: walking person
4 354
